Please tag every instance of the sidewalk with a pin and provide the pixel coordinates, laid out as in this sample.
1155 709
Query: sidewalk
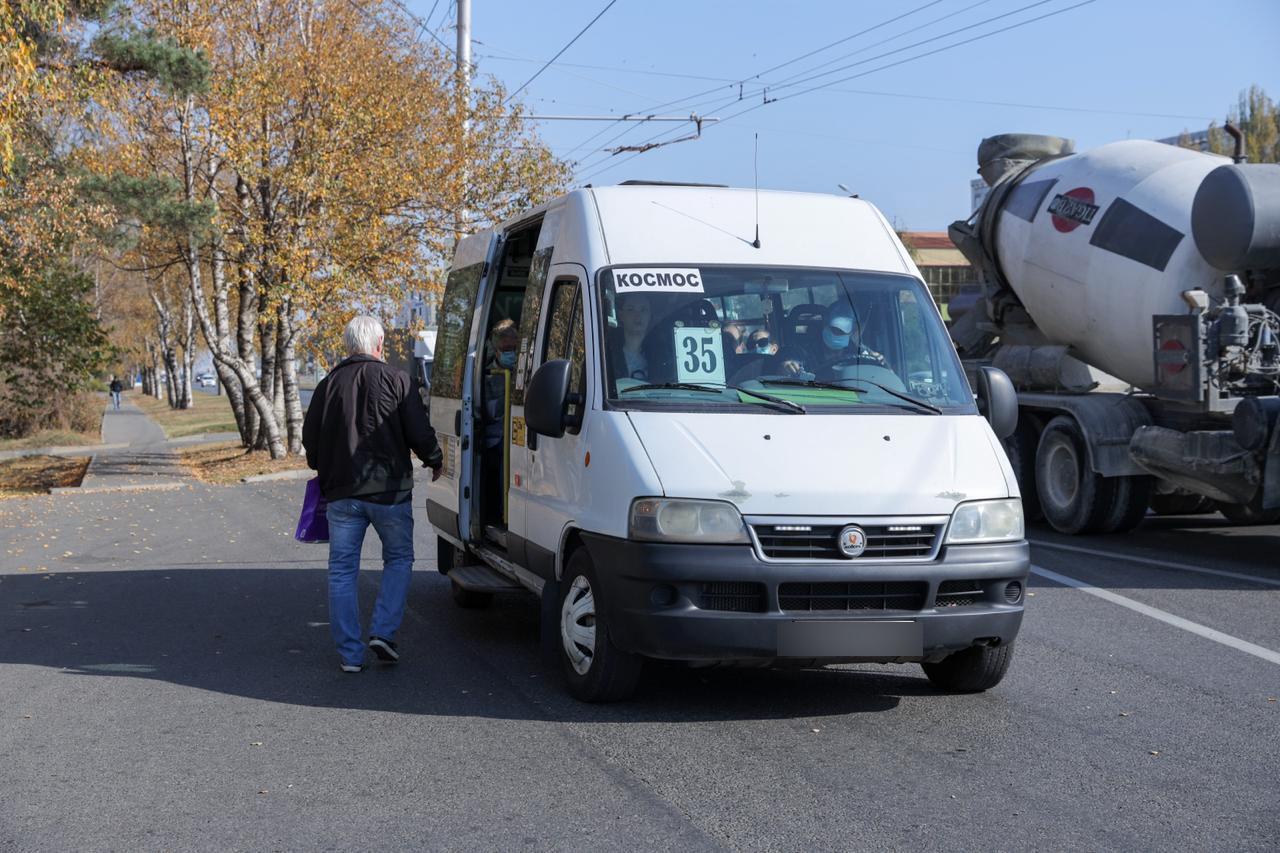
139 456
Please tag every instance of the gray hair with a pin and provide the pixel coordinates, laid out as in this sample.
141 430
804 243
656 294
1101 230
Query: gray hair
362 335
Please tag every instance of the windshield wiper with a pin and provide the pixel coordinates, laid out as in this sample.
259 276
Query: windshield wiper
774 402
929 407
812 383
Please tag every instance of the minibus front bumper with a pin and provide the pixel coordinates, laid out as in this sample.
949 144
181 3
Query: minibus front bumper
723 603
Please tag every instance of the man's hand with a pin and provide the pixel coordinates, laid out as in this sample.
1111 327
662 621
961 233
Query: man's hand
793 367
436 472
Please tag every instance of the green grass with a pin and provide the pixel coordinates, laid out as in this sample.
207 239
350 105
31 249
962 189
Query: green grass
207 414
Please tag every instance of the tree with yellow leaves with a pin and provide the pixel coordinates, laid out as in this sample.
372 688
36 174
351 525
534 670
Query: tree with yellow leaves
330 147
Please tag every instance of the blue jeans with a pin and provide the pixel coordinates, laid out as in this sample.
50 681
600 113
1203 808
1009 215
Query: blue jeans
115 399
348 519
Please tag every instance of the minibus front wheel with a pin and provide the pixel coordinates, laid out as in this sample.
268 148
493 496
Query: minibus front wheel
971 670
595 669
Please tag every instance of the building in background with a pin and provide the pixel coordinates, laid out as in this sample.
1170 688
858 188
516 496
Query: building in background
978 190
945 270
417 311
1198 140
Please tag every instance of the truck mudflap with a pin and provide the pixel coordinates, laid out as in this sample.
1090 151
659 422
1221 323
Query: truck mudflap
1108 422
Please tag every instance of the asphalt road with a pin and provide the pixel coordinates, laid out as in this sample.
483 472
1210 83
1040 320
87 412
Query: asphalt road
168 682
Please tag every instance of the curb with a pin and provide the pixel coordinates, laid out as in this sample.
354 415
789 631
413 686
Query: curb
300 474
70 450
203 437
99 490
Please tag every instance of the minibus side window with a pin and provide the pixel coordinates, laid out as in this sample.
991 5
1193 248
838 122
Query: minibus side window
530 315
455 330
566 338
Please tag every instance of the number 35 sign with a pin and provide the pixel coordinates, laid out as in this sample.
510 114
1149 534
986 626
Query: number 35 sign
699 355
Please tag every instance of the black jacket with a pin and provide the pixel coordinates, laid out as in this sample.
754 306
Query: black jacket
363 420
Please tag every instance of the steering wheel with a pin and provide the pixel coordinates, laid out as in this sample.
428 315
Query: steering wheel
851 360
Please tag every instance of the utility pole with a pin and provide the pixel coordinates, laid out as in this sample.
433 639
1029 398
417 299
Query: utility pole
463 53
464 44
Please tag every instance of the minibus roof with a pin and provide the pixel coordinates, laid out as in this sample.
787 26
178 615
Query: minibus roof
646 223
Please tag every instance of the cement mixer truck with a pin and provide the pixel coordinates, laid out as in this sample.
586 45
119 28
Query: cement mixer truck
1131 294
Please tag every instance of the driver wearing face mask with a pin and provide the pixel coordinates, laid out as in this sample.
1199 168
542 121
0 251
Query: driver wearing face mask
840 341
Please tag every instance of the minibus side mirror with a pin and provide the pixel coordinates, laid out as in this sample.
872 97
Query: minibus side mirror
997 400
546 400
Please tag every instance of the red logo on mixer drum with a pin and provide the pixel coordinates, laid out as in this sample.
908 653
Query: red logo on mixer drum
1072 209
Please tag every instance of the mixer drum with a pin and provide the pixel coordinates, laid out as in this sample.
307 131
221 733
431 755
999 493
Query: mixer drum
1095 244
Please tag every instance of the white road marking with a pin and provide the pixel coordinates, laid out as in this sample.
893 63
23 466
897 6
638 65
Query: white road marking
1161 564
1162 616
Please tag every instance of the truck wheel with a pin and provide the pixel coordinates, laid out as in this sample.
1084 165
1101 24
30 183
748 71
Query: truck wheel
1130 497
1251 513
1073 498
594 668
469 599
971 670
1021 450
1180 503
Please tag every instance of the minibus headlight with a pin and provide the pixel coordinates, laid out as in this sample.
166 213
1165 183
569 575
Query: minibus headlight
680 520
986 521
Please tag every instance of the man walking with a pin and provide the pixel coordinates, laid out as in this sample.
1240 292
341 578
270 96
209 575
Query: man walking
362 422
116 387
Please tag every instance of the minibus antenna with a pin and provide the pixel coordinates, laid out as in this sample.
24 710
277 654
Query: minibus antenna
756 169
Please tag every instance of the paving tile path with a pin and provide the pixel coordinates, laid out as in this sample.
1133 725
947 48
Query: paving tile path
145 461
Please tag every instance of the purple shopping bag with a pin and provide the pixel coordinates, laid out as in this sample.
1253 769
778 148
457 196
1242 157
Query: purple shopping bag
313 524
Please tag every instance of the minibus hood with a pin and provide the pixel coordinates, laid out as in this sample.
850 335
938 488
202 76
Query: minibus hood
825 464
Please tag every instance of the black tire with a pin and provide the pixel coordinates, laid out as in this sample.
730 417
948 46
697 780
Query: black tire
446 555
549 624
469 599
970 670
1129 500
1021 450
1073 498
597 671
1249 514
1181 503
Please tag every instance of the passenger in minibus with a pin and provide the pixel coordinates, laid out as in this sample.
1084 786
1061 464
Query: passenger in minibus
633 319
504 341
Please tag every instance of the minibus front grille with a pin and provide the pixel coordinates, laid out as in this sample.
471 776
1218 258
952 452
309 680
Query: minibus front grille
732 596
959 594
841 597
821 541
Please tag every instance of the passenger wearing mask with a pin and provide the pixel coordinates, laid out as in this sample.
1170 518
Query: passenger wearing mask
839 342
760 342
504 341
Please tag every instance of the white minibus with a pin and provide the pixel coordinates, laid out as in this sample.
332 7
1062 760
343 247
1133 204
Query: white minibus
713 425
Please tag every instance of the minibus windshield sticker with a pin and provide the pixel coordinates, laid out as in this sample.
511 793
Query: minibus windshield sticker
658 279
699 355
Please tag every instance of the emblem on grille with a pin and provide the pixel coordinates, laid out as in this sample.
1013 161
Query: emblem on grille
852 541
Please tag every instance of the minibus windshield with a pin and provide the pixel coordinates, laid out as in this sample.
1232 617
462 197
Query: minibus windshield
697 337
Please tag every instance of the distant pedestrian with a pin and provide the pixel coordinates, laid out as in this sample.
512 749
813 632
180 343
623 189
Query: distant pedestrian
361 424
116 388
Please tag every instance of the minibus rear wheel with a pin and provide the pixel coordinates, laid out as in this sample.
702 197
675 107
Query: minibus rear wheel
594 668
971 670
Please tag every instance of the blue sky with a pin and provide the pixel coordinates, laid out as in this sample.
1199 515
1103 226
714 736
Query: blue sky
902 136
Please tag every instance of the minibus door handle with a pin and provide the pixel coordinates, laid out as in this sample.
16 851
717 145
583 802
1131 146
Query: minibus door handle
457 423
